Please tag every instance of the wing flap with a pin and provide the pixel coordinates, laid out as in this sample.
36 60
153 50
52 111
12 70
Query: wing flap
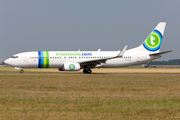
93 62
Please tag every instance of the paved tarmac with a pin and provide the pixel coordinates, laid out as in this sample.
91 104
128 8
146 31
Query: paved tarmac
88 74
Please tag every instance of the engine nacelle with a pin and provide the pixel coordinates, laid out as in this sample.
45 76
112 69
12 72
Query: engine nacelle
70 67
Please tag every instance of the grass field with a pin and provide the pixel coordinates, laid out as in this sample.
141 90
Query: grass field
95 96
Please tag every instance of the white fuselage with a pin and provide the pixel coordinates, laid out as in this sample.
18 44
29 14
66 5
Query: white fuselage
56 59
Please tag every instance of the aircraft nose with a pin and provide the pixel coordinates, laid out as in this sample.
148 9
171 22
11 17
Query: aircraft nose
7 61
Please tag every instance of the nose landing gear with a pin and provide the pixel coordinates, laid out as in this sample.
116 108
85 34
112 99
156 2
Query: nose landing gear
21 71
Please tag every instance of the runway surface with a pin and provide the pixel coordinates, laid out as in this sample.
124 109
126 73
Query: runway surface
89 74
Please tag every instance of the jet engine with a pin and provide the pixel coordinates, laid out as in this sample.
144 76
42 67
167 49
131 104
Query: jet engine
70 67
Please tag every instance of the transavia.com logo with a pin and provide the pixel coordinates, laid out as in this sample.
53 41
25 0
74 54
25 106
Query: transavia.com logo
73 54
71 66
153 42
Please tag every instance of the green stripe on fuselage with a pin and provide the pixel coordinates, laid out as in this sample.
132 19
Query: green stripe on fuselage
46 59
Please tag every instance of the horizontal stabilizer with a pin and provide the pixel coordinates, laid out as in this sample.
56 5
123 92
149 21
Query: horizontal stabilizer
160 53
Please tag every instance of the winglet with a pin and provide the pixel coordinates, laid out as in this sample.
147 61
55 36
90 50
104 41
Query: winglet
122 52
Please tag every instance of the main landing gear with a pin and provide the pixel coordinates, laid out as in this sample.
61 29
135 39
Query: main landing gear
87 71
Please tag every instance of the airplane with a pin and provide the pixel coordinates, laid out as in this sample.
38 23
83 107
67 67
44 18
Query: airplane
86 60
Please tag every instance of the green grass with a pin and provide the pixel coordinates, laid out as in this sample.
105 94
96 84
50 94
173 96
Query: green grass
89 97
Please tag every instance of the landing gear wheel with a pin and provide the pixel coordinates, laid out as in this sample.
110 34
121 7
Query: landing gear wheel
88 71
84 71
21 71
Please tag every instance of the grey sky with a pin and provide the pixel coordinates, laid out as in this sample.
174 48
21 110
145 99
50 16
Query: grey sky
32 25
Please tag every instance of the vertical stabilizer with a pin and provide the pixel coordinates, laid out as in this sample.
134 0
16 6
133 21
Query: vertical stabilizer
154 40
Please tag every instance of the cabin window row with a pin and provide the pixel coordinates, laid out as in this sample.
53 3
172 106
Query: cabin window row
71 57
45 57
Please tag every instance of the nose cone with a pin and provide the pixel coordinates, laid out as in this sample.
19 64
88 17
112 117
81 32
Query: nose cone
8 61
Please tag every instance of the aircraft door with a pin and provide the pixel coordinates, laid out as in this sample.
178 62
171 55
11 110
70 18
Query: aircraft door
138 57
26 58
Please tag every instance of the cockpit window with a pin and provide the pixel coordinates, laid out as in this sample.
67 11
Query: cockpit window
14 56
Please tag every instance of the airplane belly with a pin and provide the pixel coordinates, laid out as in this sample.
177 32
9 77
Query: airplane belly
55 64
33 63
120 62
44 64
49 64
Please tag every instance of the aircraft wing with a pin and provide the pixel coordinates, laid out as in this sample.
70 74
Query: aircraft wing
93 62
160 53
103 60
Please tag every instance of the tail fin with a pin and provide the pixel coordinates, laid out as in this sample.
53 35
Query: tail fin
154 40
